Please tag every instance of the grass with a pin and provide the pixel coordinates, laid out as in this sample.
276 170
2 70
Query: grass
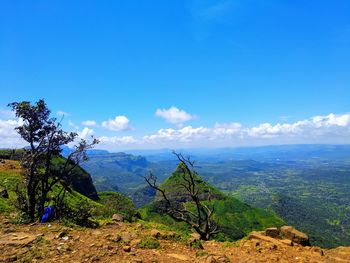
9 179
149 242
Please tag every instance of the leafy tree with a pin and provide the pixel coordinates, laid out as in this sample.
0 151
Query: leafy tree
199 218
45 138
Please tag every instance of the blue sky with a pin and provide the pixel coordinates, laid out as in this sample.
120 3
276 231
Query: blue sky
219 63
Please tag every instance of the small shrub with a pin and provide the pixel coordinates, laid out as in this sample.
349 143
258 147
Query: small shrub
149 242
20 218
78 214
197 244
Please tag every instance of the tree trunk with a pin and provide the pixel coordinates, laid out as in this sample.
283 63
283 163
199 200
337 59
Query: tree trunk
31 204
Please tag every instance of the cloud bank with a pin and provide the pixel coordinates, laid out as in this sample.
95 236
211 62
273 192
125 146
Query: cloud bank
331 128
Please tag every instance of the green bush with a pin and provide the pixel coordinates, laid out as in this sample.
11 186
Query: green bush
115 203
78 213
197 244
149 242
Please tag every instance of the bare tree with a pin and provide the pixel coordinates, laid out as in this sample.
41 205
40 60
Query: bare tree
199 218
45 138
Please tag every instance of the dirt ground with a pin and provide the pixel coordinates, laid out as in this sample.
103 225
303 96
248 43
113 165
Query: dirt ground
119 242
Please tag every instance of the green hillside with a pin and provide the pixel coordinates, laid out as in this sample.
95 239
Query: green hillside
82 205
234 218
81 181
10 178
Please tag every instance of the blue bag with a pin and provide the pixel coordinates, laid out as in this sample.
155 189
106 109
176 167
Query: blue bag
49 213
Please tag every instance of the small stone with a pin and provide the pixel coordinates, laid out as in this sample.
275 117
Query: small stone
117 218
273 247
118 238
61 234
317 250
155 233
96 258
127 248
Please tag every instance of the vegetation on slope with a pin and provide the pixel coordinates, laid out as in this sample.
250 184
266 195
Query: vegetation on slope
234 218
78 208
116 203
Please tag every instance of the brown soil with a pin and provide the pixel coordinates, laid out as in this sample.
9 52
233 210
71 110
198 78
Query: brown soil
118 242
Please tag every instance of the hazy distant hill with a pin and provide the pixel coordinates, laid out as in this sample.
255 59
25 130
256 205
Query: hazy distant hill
116 171
273 152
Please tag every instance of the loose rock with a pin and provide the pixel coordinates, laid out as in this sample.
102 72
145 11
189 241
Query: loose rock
127 248
117 218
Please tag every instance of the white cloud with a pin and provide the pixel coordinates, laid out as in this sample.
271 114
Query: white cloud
174 115
9 138
89 123
314 127
185 134
61 113
227 129
85 133
120 123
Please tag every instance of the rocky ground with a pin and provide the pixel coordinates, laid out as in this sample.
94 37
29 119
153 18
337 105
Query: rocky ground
135 242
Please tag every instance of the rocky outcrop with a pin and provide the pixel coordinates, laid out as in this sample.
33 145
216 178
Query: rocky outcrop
286 235
272 232
296 236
